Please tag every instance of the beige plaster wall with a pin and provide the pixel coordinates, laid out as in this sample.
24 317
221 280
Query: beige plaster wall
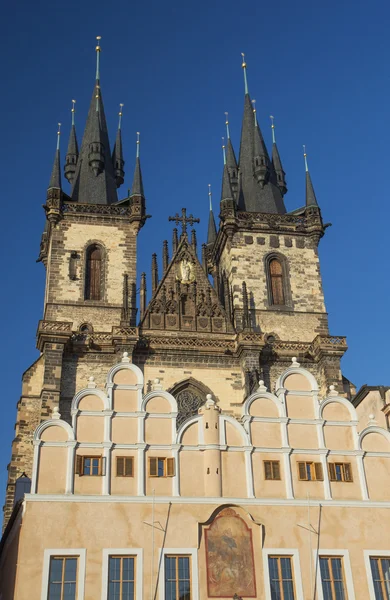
375 442
125 377
303 488
190 436
90 428
335 411
338 437
124 430
268 488
125 400
91 402
52 470
341 490
302 436
377 470
263 407
124 485
371 405
299 407
233 475
158 431
192 473
266 434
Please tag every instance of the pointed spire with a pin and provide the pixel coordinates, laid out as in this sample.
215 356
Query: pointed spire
55 179
231 160
165 254
94 180
154 273
311 199
193 240
261 162
244 69
175 240
212 229
137 189
142 295
73 150
117 153
277 163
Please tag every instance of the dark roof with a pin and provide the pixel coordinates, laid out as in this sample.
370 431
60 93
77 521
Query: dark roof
253 197
89 188
226 193
212 229
73 147
365 389
231 160
137 189
311 199
55 179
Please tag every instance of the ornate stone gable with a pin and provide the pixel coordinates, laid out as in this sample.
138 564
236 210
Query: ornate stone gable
184 299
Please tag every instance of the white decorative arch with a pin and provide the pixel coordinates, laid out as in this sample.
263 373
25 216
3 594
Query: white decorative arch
125 365
237 425
57 423
258 395
338 400
184 426
373 429
159 394
89 392
295 370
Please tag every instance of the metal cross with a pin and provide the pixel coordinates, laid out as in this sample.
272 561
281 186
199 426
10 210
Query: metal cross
184 220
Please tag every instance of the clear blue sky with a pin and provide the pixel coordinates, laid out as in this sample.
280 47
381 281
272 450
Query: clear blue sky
321 68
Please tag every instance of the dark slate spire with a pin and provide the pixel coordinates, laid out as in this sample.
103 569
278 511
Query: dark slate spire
73 150
311 199
277 168
137 189
257 193
227 193
231 160
55 179
117 153
212 229
94 181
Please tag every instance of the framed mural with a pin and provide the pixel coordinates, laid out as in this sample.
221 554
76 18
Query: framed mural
229 557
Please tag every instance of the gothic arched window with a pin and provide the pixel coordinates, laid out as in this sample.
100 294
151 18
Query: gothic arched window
94 273
190 396
278 281
276 276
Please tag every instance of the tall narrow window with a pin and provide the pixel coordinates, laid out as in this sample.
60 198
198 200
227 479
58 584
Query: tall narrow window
177 578
332 578
281 578
93 275
121 578
380 568
62 578
276 277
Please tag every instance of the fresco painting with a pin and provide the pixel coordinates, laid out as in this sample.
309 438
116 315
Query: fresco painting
229 557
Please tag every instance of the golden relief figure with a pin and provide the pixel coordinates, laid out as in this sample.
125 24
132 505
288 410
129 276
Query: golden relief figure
185 272
229 557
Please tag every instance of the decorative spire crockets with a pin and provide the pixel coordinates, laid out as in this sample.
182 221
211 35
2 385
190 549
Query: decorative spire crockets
311 199
55 179
73 150
212 229
277 168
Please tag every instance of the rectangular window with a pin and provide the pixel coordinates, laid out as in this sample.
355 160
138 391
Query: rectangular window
121 578
380 569
332 578
177 577
340 472
161 467
124 466
272 469
89 465
310 471
62 578
281 578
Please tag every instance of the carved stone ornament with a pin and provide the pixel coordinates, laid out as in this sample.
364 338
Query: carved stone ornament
185 271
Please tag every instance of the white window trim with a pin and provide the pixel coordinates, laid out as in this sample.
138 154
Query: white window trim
138 553
367 554
346 566
80 553
294 553
193 552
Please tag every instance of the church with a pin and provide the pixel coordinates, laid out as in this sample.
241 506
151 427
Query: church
197 440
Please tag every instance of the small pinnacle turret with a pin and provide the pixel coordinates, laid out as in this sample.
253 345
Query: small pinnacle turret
261 162
277 168
212 229
137 189
55 179
72 154
117 153
231 160
311 199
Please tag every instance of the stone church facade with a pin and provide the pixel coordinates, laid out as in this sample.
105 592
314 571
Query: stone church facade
201 442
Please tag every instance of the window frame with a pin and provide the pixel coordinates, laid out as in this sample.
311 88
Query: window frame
166 461
343 472
124 458
48 554
63 581
332 579
193 554
314 465
272 463
177 580
288 303
373 554
347 571
122 557
137 554
293 553
88 248
80 465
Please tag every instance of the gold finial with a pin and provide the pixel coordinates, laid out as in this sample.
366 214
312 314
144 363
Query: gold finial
305 157
120 115
98 48
210 194
272 129
254 111
224 151
73 110
58 136
138 142
227 125
243 64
